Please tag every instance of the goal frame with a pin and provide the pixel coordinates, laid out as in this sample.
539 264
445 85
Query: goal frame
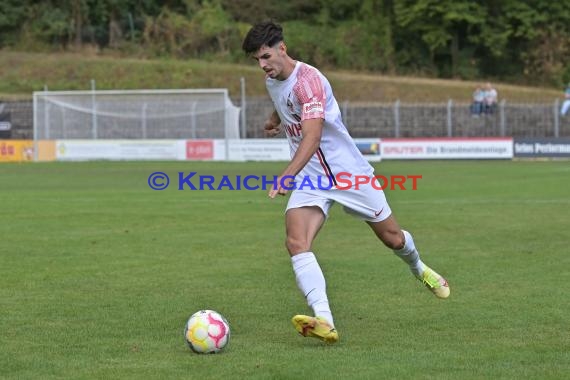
229 114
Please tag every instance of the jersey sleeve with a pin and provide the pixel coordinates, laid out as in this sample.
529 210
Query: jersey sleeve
310 92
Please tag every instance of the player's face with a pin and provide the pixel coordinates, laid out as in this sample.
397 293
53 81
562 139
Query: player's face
272 60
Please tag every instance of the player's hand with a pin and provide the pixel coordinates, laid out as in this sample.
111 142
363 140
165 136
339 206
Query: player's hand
271 128
284 183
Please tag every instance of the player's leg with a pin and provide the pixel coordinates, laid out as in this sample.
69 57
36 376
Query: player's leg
303 224
370 204
402 244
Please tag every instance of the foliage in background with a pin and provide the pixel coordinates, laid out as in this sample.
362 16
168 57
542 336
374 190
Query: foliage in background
510 40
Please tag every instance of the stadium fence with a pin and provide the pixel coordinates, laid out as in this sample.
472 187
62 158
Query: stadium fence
398 119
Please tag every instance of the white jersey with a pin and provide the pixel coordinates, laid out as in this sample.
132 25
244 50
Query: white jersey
307 94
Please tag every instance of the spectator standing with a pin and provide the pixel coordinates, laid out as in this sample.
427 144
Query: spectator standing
566 103
490 101
478 98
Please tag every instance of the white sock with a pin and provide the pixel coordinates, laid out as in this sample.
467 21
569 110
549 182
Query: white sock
410 255
311 282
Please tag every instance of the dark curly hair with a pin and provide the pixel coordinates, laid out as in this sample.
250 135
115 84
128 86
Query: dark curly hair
266 33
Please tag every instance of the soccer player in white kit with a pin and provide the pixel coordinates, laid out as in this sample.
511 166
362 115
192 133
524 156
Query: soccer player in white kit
321 148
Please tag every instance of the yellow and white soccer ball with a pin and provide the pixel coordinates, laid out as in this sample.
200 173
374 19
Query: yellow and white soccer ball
207 332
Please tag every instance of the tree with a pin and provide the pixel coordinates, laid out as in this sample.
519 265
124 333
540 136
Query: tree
214 23
445 26
79 12
525 41
12 15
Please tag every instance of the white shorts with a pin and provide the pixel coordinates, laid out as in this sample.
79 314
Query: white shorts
366 203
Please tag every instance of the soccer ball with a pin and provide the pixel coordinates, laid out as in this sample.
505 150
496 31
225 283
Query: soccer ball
207 332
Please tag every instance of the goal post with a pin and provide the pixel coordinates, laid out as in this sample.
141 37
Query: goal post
135 114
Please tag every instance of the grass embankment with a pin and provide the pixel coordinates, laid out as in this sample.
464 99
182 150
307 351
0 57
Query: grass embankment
22 73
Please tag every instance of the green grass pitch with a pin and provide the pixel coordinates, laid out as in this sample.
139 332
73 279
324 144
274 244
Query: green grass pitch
98 274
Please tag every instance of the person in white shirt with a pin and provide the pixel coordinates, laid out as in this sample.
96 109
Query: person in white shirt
566 103
478 101
491 98
321 150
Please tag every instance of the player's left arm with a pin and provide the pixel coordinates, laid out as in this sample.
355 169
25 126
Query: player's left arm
311 96
312 130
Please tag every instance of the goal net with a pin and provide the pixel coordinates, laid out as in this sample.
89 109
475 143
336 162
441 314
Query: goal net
135 114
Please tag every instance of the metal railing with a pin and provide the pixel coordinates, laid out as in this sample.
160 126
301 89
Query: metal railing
396 119
449 119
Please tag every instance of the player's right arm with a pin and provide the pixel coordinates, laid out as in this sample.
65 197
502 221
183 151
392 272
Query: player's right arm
271 126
